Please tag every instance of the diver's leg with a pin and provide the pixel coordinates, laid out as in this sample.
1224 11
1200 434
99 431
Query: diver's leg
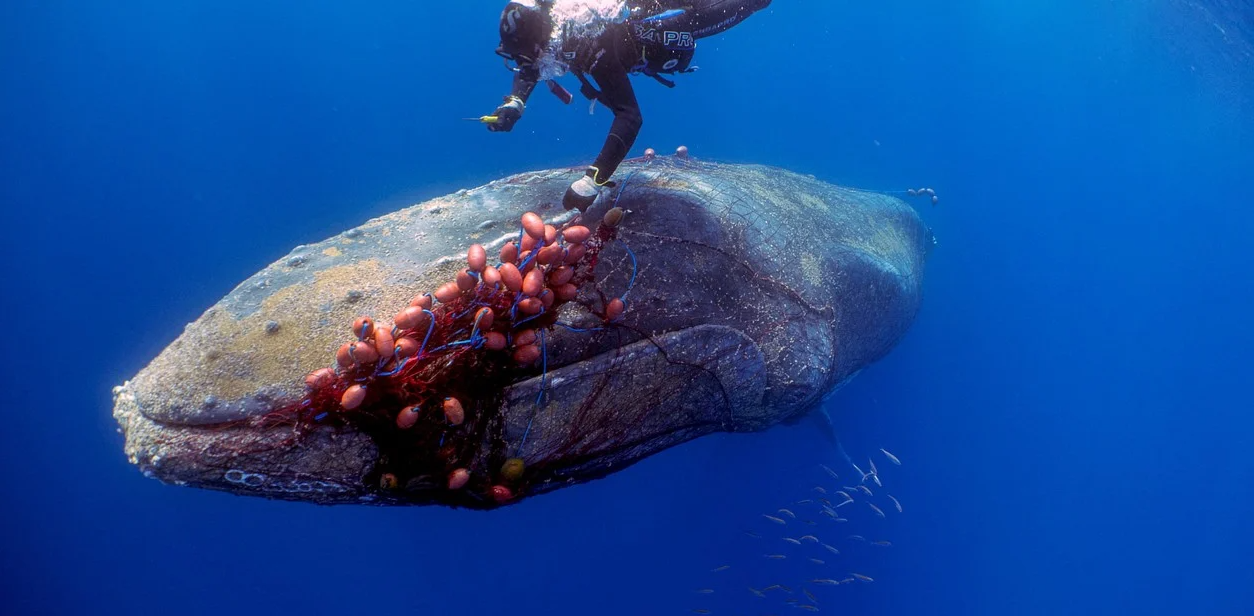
710 17
618 95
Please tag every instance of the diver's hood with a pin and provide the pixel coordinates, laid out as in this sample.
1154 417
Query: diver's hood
526 28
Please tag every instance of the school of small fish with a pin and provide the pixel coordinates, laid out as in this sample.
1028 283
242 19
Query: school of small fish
784 516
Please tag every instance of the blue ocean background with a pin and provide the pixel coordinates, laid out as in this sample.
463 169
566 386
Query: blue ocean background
1072 406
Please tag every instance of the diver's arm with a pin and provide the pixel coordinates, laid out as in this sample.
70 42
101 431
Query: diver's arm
524 82
511 111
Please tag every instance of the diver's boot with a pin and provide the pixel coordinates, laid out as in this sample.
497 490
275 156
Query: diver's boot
581 194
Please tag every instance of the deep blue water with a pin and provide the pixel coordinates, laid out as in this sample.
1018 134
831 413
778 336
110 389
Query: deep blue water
1072 405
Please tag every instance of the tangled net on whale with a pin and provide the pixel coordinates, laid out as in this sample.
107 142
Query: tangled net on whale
427 386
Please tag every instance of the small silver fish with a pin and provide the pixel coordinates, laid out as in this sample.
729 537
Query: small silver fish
792 541
846 502
825 582
876 509
895 502
820 489
809 595
757 592
705 591
721 568
809 538
876 479
774 519
832 472
700 611
807 607
862 578
804 501
856 538
788 513
881 543
817 561
867 490
753 534
891 457
874 471
811 522
775 556
831 549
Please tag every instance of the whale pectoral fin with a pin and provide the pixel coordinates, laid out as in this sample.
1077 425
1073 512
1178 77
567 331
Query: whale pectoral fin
636 400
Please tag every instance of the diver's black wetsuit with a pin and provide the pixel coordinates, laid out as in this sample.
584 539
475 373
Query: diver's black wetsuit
646 47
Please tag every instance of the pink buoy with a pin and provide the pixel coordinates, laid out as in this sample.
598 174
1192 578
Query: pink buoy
353 397
575 253
681 151
476 258
525 337
454 412
319 378
566 292
363 352
408 417
649 153
410 317
511 277
494 341
465 281
530 306
384 344
533 225
363 327
406 347
422 301
577 234
615 310
502 494
533 283
343 356
491 276
527 355
509 253
448 292
458 479
561 276
549 254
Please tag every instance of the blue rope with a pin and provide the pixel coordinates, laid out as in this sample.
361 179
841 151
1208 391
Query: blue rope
544 372
630 283
397 369
534 316
578 330
623 186
430 328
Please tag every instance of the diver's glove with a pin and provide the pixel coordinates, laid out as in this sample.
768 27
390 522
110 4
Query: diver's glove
581 194
507 114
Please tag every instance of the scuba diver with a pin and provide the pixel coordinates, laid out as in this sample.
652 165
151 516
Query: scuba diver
650 37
